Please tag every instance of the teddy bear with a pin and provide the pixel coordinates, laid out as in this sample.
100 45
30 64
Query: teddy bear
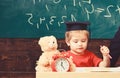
49 49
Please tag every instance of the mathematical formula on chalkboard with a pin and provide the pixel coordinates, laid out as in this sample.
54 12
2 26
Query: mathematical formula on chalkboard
37 18
106 12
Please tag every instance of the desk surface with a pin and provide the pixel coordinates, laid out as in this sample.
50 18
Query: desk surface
94 72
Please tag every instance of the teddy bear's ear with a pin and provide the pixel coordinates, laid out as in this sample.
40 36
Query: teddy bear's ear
53 37
40 41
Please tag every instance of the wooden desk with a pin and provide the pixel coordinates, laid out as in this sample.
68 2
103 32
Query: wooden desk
83 73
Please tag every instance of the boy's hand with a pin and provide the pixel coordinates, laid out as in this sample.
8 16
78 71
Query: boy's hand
105 51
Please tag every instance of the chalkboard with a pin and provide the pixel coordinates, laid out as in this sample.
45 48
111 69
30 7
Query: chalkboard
37 18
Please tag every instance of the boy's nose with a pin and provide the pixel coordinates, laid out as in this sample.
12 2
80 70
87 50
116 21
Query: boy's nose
79 43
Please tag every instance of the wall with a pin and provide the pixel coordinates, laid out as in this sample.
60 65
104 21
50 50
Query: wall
21 54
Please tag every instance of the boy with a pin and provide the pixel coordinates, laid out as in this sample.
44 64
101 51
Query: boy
76 37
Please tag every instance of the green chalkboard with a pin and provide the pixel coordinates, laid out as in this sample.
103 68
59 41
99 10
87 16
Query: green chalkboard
37 18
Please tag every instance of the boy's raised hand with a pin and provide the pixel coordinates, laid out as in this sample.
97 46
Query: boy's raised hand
105 51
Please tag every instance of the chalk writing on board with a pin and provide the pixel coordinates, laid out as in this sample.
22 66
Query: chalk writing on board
61 19
29 19
118 9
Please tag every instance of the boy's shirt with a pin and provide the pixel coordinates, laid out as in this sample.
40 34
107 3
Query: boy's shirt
88 59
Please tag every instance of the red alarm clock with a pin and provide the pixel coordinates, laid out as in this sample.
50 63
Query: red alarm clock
60 64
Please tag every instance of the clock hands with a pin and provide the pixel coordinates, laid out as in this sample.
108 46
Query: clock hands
62 65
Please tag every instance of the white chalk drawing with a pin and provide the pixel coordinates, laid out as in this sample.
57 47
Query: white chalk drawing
60 19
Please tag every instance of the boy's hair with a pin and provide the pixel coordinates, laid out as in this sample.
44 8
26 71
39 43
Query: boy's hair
68 34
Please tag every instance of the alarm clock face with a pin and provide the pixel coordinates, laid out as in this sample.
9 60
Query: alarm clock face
62 65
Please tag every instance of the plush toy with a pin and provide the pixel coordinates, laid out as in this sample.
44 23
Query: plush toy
49 47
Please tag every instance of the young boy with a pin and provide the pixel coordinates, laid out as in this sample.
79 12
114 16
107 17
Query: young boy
76 37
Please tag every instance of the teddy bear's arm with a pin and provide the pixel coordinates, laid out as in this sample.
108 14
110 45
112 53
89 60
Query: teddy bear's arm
43 60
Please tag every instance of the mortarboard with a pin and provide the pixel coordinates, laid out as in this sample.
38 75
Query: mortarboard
76 26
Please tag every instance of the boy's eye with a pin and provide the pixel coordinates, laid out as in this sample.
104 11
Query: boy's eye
83 40
75 41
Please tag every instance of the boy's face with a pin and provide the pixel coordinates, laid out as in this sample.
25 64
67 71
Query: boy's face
78 42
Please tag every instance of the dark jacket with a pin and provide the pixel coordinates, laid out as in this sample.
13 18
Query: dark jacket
115 48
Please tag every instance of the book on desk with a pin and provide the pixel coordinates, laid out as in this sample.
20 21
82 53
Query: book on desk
98 69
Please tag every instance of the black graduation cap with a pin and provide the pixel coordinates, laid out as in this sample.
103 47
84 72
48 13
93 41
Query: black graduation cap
76 26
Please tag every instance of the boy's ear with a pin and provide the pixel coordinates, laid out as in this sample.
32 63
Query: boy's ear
67 42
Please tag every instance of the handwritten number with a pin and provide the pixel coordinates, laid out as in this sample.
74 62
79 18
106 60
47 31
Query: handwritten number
29 19
52 19
89 12
108 11
63 19
42 19
56 2
87 1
